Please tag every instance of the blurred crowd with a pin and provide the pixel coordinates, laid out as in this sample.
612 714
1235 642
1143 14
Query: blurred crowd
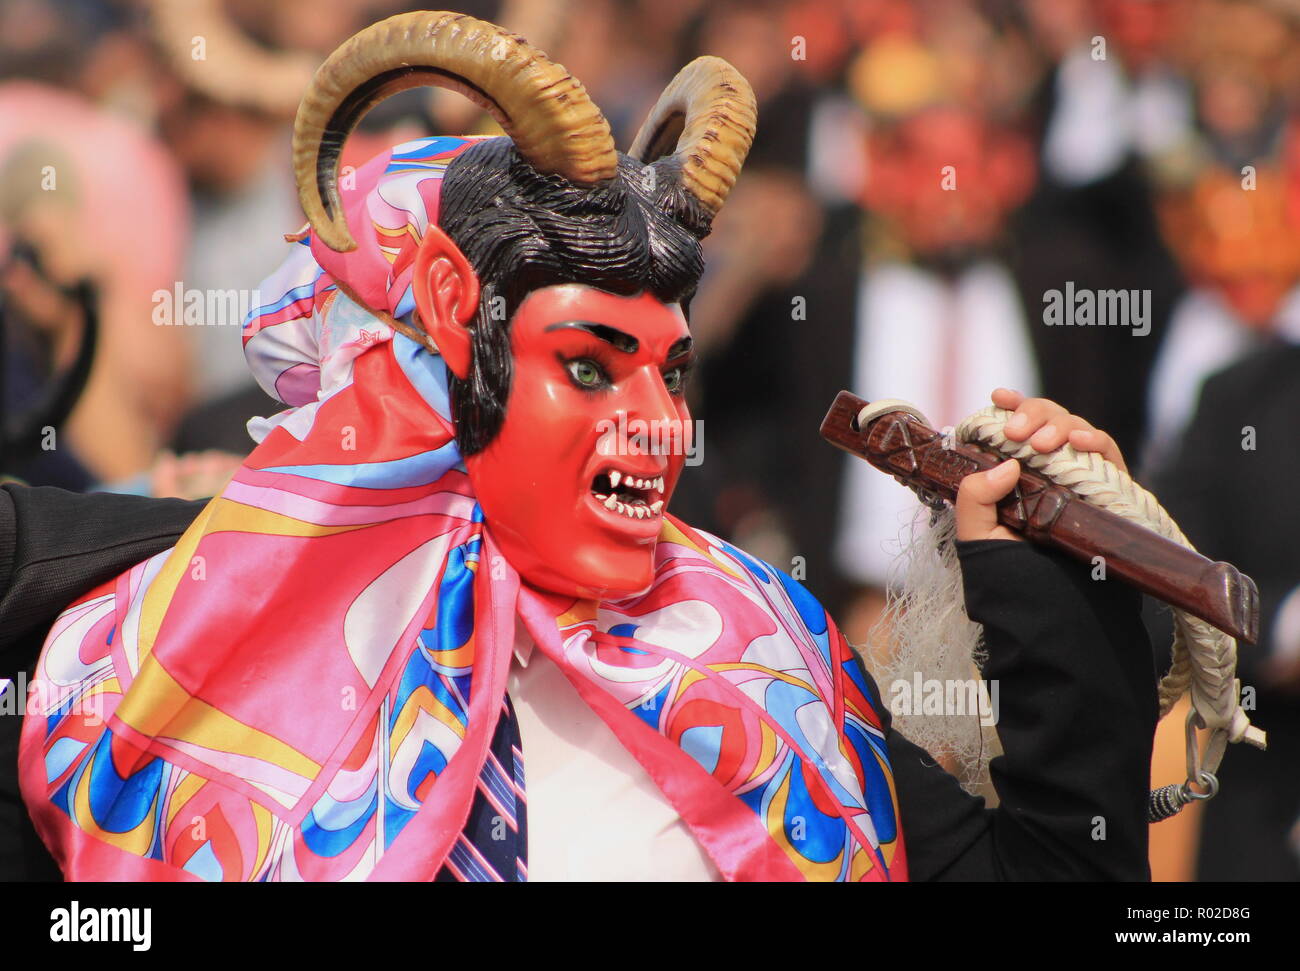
936 188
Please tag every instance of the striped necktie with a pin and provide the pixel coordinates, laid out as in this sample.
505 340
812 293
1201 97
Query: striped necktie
493 846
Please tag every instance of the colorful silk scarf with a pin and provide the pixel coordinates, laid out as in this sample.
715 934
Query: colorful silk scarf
311 684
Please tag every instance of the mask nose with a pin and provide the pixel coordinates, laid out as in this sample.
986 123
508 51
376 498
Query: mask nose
655 427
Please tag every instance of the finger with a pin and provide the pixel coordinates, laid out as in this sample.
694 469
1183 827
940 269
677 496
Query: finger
977 514
164 478
1050 437
1007 398
1095 440
1031 415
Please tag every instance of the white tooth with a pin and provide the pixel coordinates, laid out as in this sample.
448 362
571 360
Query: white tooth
640 483
611 502
659 484
600 496
615 477
655 506
622 509
640 512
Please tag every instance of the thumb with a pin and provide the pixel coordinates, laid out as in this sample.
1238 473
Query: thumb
977 514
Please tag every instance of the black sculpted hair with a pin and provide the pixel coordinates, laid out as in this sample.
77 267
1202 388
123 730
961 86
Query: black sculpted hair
521 231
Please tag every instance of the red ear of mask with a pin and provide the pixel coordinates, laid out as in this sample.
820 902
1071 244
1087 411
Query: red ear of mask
446 297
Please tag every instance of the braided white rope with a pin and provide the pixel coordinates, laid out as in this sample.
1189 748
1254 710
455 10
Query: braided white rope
1204 658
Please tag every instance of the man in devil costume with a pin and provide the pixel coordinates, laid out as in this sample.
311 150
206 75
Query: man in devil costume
450 554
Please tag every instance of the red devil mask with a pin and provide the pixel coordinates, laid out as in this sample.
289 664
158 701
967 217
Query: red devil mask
596 429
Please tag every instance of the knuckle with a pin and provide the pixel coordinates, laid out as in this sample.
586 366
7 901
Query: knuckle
1046 406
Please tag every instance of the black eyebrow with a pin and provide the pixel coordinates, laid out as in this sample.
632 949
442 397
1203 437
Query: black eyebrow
610 335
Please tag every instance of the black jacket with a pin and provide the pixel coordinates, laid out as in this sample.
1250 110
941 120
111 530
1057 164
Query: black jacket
1230 487
1077 695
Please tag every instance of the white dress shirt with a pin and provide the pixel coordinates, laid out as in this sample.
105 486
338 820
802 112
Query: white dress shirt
593 812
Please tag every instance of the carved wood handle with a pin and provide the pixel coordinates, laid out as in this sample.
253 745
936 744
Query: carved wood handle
900 445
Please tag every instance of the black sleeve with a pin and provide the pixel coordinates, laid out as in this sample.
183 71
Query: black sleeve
1077 715
55 546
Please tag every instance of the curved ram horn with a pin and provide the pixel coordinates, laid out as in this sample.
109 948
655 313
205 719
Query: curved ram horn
706 117
543 108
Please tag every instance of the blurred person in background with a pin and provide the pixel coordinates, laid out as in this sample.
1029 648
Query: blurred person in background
938 313
1229 204
93 197
1228 486
1112 102
229 76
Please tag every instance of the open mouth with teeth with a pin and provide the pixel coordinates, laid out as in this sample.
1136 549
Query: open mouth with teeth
629 495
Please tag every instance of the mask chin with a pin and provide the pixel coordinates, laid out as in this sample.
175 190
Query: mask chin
589 571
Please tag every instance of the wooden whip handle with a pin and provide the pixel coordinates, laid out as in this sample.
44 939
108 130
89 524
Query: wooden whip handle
900 445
